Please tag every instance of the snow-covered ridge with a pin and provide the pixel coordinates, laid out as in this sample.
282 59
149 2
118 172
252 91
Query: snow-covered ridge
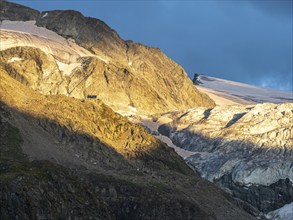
240 93
31 28
26 33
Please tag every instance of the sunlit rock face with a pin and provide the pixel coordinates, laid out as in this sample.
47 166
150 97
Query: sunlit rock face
94 60
33 68
246 149
93 164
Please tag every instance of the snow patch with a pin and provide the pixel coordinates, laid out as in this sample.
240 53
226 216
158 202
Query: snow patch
181 152
45 15
129 111
132 109
154 125
13 59
67 68
101 58
71 40
47 73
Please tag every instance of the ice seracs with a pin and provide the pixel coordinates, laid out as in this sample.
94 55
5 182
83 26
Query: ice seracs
247 150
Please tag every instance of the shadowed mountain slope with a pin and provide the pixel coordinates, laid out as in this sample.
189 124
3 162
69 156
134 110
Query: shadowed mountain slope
105 166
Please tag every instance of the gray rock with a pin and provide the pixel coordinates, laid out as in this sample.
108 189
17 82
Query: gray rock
15 12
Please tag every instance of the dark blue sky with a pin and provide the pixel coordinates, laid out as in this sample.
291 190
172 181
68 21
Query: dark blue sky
245 41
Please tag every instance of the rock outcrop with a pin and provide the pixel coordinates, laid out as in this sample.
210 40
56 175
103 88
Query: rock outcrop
247 150
16 12
33 68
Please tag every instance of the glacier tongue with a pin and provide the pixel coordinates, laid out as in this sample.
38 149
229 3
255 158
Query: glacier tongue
247 150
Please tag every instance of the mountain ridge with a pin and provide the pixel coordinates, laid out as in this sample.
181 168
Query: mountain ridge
164 81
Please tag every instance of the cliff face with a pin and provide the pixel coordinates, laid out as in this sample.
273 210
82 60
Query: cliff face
121 73
33 68
90 33
62 157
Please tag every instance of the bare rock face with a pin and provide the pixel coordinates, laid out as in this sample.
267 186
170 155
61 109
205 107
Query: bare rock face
90 33
122 73
33 68
165 77
16 12
245 149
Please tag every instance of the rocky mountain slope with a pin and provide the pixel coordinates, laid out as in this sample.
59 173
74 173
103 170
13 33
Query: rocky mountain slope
123 74
64 155
66 158
246 150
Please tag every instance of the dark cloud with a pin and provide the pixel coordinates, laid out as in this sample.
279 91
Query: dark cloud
246 41
278 8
